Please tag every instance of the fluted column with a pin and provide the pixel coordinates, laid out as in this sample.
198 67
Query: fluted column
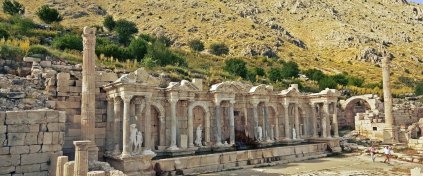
288 134
389 134
81 157
60 167
232 122
117 126
277 116
297 121
335 120
325 124
69 168
314 119
190 126
109 126
173 145
126 129
218 131
147 140
266 122
255 117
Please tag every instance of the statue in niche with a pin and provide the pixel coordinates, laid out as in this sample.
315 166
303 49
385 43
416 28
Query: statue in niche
272 132
135 138
139 142
259 133
294 134
198 138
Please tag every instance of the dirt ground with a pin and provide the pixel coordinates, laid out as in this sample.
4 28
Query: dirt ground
345 165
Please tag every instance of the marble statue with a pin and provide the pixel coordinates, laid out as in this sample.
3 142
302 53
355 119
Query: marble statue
139 141
133 136
272 133
198 138
259 133
294 134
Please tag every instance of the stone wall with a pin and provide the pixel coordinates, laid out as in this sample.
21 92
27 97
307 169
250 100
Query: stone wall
407 116
31 140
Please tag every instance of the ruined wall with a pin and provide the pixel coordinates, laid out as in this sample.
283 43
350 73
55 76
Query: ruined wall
31 140
407 116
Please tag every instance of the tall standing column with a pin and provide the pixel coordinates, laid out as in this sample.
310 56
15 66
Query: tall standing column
287 126
314 119
190 126
232 122
117 108
277 116
109 126
126 129
325 120
389 131
173 145
81 157
335 120
266 129
88 90
255 118
218 131
147 135
297 121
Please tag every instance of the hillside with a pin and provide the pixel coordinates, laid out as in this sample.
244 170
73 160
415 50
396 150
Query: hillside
330 35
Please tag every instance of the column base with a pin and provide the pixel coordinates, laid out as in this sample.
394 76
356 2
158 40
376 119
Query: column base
173 147
148 152
389 136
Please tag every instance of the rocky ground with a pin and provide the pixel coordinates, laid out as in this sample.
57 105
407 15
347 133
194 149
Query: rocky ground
350 164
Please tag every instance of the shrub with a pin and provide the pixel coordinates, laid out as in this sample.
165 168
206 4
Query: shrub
314 74
48 15
340 79
407 81
138 48
165 40
327 82
37 49
13 7
125 29
419 89
196 45
68 41
113 50
162 56
109 22
236 67
355 81
259 71
219 49
274 75
147 38
11 52
290 69
4 34
22 25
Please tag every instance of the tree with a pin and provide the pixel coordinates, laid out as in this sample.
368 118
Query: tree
125 29
340 79
327 82
4 34
138 48
289 70
196 45
219 49
314 74
68 41
109 22
236 67
158 54
274 74
419 89
13 7
48 15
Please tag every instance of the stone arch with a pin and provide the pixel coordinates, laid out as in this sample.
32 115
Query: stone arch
161 122
370 101
206 109
273 120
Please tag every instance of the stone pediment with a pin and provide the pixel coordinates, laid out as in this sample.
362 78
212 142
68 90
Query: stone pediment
184 85
291 91
230 87
328 92
261 89
140 76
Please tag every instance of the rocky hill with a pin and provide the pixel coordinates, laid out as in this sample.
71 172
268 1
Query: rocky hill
331 35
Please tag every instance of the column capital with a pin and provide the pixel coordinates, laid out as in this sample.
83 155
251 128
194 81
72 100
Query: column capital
285 105
82 145
127 98
138 100
173 100
232 102
255 102
117 100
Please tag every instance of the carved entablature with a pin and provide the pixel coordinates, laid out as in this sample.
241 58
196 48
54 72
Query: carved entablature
230 87
291 91
261 89
184 85
328 93
139 76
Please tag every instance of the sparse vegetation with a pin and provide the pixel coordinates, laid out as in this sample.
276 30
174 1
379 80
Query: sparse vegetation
48 15
219 49
68 41
109 22
125 29
236 67
13 7
196 45
419 89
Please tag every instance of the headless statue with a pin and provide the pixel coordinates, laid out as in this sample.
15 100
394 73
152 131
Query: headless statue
294 134
198 138
139 141
133 136
259 133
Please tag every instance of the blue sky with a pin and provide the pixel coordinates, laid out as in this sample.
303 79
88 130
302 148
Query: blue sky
418 1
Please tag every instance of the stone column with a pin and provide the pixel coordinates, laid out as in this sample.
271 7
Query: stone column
68 169
288 129
389 131
232 122
81 157
173 145
325 120
266 123
61 161
335 120
255 117
88 90
147 136
277 116
190 126
297 121
218 131
109 126
117 108
314 119
126 152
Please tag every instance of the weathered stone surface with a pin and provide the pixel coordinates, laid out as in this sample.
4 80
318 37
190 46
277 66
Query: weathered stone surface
9 160
25 169
35 158
7 169
56 127
51 148
35 148
48 138
52 116
4 150
15 139
19 150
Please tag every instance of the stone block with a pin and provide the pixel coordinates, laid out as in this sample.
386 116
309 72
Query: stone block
16 117
3 128
75 89
4 150
7 170
19 150
56 127
51 148
28 168
40 138
43 128
2 117
183 141
41 173
48 138
15 139
34 128
68 104
44 166
9 160
52 116
22 128
61 138
55 138
35 148
62 116
34 158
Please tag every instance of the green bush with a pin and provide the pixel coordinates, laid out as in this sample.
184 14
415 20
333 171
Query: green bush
274 74
125 29
236 67
68 41
113 50
219 49
419 89
109 22
327 82
314 74
37 50
340 79
165 40
355 81
147 38
162 56
290 69
11 52
48 15
138 48
13 7
22 25
196 45
4 34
